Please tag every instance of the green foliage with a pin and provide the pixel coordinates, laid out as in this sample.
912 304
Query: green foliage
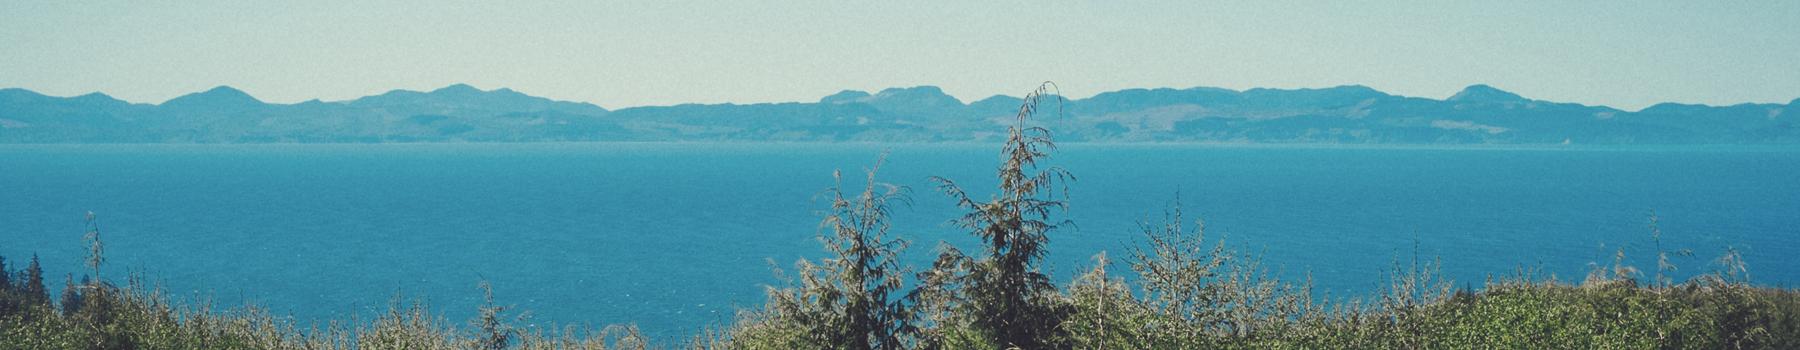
846 301
33 290
1002 296
143 317
1200 296
71 296
1106 315
493 332
1187 293
98 315
96 250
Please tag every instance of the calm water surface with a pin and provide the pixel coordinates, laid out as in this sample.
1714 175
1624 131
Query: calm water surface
675 236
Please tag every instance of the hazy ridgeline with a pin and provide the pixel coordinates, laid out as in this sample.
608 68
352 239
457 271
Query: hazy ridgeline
1350 114
1177 289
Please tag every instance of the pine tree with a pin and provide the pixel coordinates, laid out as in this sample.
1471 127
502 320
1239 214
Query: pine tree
5 276
34 283
494 334
71 296
9 299
846 301
1007 299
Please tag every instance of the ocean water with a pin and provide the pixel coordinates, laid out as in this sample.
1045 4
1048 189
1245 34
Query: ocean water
676 236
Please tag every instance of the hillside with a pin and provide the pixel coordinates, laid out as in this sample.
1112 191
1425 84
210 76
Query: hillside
1479 114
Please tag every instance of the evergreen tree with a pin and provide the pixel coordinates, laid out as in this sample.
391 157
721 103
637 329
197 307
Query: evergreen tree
71 296
34 283
1004 296
5 276
96 249
846 301
493 332
9 299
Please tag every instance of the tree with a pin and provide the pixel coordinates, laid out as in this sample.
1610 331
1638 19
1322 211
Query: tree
494 333
71 296
1007 300
846 301
96 249
5 275
1199 293
94 302
34 283
1180 276
9 300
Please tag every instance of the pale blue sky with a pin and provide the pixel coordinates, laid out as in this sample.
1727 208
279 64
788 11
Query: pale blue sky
1625 54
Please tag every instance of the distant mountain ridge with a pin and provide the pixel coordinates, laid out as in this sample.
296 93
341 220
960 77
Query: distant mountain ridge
1479 114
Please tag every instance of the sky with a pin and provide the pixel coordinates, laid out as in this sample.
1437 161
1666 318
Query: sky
1625 54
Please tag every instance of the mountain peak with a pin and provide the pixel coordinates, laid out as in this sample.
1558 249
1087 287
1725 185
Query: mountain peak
458 88
221 96
1485 93
1673 107
19 93
914 89
914 102
92 99
922 93
1357 89
227 92
845 96
96 97
1000 99
224 89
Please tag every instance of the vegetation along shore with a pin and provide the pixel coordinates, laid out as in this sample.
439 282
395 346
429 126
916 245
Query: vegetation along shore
1177 290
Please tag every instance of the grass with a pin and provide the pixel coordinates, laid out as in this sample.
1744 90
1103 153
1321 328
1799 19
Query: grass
1185 292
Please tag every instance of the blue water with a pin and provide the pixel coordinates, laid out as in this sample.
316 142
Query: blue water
675 236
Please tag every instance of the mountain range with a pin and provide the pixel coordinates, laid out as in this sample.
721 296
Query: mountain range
1479 114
